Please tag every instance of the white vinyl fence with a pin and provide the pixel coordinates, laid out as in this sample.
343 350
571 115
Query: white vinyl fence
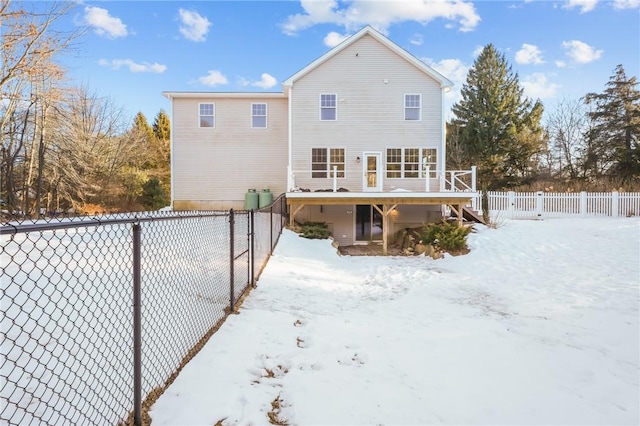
539 205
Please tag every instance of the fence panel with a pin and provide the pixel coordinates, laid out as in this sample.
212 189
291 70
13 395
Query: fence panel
629 204
69 303
185 289
536 205
269 222
67 324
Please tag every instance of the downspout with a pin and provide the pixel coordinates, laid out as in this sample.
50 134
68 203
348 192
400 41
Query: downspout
290 160
171 154
443 142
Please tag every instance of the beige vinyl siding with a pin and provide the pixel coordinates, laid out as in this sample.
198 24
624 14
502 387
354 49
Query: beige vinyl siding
370 82
214 167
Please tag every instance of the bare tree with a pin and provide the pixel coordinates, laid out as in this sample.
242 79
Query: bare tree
567 126
94 149
28 77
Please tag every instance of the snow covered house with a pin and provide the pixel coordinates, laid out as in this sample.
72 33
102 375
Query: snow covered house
355 139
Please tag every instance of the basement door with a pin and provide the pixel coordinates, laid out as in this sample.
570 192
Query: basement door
368 224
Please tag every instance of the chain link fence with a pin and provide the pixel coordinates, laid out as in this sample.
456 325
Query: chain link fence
100 314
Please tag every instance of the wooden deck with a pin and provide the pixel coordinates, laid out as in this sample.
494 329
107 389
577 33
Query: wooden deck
388 200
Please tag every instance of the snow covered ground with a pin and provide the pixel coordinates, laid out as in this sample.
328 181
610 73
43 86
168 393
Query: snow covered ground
538 324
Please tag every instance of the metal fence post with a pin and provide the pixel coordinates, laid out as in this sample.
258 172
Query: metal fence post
231 260
271 230
137 328
252 240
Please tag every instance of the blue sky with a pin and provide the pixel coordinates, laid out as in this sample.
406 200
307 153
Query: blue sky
135 50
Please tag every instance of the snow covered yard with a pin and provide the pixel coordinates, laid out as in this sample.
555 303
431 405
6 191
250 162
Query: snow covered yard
538 324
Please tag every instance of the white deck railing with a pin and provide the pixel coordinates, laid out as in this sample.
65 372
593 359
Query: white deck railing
447 180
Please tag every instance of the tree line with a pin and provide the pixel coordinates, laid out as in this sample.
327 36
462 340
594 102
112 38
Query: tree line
65 147
587 143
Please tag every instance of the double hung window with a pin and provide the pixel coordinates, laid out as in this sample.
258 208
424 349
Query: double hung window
411 163
259 115
412 107
323 161
207 115
328 107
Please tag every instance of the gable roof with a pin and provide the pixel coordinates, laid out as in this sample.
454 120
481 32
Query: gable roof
368 30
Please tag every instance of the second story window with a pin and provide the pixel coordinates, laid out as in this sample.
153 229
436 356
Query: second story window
412 108
328 107
207 115
259 115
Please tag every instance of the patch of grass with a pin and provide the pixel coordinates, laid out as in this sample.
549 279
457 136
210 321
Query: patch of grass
274 414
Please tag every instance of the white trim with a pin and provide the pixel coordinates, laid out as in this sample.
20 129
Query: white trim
266 115
419 108
443 143
172 151
320 106
200 115
290 132
219 95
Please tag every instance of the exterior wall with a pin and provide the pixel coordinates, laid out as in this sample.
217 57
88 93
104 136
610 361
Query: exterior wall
370 82
214 167
341 219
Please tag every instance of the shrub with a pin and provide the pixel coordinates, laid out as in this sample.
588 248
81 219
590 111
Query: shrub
153 195
446 236
314 230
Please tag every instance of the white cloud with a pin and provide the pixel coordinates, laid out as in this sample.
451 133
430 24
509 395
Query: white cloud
537 86
416 40
333 39
380 14
626 4
133 66
584 5
103 23
456 71
214 78
267 81
529 54
581 52
477 51
193 26
561 64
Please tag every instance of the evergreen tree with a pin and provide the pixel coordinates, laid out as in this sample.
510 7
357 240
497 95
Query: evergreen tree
496 127
614 136
154 195
162 126
140 124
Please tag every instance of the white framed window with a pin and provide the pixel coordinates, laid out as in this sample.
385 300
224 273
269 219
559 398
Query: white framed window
259 116
411 163
394 162
429 159
328 107
324 159
412 107
207 115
